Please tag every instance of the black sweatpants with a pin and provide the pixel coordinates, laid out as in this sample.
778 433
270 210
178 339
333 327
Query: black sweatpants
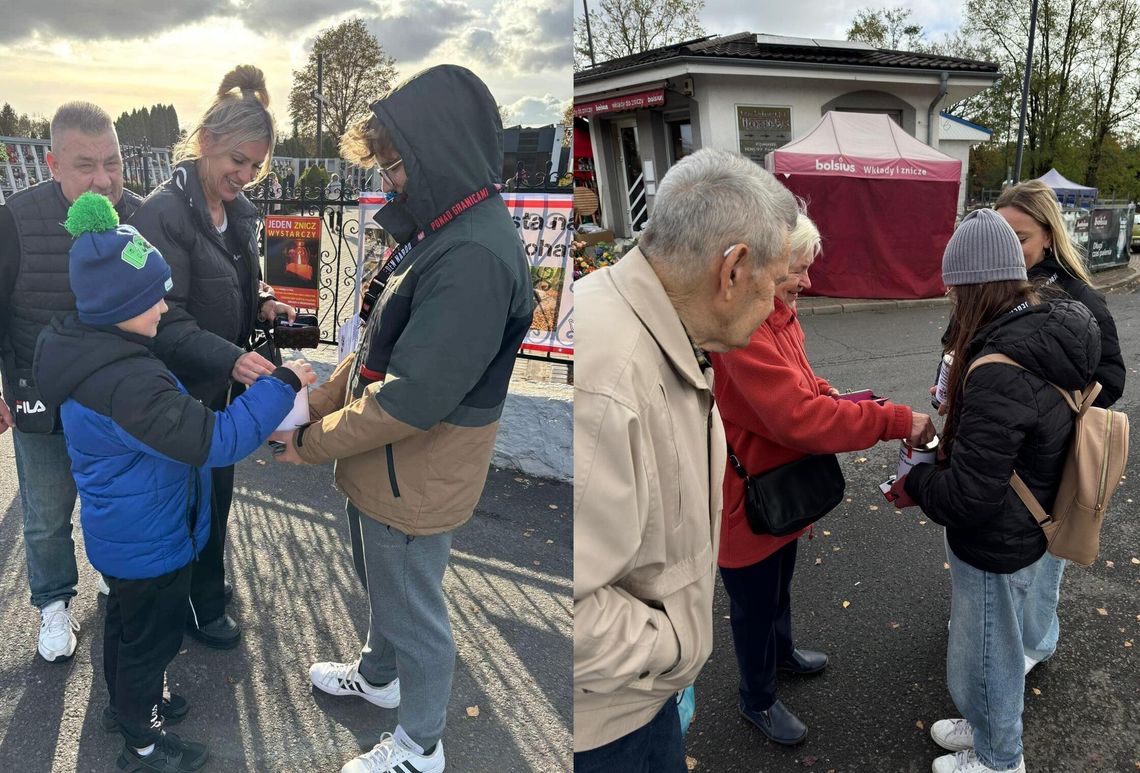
207 588
760 610
142 634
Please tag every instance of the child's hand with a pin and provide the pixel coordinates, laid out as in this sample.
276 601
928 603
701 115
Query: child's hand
303 370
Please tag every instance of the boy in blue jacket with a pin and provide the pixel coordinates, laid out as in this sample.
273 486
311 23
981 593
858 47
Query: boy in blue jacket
141 449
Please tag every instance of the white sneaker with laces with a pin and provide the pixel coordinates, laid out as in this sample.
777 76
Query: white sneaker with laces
1030 663
389 756
343 679
57 632
968 762
103 587
953 735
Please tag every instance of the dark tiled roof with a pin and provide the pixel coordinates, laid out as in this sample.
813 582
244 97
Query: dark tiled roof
744 46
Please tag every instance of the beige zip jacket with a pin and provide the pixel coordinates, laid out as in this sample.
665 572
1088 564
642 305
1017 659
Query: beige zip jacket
649 457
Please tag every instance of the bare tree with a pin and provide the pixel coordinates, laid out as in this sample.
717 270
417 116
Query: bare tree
356 72
626 27
891 28
1115 78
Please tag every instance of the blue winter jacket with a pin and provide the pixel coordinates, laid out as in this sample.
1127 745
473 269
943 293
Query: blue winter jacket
141 448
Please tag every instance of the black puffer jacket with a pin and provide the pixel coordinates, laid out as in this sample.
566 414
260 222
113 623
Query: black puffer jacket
207 284
1009 419
1053 281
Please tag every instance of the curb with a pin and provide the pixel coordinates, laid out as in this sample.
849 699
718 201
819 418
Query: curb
851 306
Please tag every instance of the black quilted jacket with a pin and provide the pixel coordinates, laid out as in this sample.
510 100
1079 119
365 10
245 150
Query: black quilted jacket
1009 419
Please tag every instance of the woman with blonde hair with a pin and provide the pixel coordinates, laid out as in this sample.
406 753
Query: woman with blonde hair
776 412
1057 269
206 228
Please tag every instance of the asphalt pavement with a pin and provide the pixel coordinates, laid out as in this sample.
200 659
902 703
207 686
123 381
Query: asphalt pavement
299 601
871 589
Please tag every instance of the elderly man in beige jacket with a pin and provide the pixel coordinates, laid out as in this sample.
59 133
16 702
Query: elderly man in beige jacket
649 450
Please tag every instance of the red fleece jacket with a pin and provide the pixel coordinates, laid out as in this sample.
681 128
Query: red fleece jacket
776 410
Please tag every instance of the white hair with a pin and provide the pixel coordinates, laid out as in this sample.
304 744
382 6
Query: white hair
709 201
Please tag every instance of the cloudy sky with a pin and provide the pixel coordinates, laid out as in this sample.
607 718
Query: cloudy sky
145 52
813 18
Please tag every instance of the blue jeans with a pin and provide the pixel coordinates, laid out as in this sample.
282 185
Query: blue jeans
47 494
1041 628
985 669
652 748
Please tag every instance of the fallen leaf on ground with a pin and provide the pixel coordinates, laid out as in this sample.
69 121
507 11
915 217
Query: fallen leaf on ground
1109 564
860 460
894 625
945 565
1102 611
261 461
919 725
1128 643
827 534
1036 691
472 711
818 561
1135 560
690 763
537 563
553 507
550 542
874 507
846 604
848 499
835 549
922 523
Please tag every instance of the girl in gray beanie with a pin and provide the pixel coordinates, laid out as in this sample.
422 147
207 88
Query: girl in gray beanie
1004 420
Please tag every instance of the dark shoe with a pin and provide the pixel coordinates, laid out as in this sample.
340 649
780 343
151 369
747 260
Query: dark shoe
228 592
804 662
171 755
777 723
173 712
221 634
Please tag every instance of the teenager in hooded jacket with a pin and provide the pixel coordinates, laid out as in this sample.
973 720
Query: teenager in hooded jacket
1002 420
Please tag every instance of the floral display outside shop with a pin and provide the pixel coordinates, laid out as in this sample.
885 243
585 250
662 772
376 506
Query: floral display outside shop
588 258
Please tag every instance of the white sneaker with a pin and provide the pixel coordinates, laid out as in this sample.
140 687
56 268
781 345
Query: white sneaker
967 762
342 679
103 587
1030 663
953 735
388 756
57 632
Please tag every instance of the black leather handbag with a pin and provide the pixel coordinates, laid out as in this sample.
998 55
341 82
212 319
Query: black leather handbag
792 496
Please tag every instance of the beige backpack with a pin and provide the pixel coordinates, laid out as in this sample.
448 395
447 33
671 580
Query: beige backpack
1098 452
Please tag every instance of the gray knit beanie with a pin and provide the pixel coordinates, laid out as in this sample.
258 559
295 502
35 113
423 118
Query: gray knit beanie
983 249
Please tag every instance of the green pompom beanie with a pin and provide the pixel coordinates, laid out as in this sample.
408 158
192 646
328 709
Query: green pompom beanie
115 273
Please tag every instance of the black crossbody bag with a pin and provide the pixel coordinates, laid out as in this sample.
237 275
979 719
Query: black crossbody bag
30 412
792 496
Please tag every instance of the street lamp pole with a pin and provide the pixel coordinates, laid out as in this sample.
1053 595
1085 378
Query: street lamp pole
589 37
1025 94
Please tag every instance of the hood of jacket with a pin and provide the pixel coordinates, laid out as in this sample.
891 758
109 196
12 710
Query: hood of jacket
69 352
1058 340
446 127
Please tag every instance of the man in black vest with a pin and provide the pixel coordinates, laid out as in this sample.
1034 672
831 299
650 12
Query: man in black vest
34 288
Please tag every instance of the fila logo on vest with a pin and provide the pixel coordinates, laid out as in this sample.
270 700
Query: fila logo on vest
23 406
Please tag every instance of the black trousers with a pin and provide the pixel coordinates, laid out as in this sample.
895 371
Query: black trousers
207 589
141 635
761 616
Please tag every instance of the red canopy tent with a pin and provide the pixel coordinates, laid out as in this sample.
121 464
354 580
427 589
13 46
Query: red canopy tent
884 203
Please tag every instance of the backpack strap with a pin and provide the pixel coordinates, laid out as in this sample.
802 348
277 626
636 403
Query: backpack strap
1078 401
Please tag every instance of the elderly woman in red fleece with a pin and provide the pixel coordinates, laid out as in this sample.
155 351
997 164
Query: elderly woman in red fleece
775 411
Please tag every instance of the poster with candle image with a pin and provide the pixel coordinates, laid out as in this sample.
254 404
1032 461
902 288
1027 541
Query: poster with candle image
292 260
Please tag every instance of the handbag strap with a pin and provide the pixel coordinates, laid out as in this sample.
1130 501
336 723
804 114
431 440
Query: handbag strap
735 462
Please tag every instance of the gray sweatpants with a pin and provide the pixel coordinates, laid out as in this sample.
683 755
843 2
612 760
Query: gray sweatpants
409 634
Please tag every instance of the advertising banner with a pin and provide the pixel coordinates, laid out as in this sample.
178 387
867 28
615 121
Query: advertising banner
544 223
1105 234
292 259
